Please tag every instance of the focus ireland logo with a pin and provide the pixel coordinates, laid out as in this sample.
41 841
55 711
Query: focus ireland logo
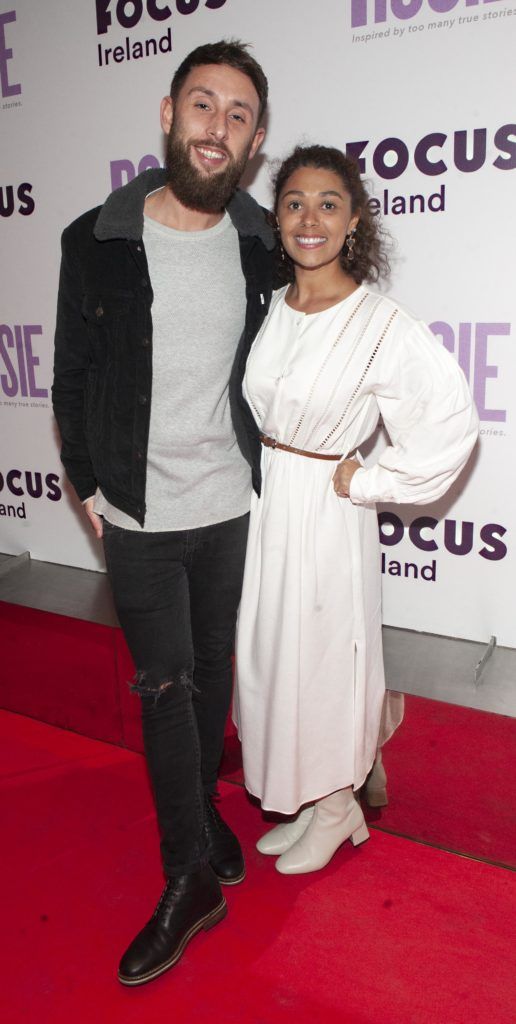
127 14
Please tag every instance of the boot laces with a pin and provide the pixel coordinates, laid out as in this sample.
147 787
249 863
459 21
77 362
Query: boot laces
213 812
167 898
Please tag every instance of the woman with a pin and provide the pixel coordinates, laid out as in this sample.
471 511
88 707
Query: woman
331 358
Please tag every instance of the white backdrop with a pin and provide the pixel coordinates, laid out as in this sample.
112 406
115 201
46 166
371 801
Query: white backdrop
422 91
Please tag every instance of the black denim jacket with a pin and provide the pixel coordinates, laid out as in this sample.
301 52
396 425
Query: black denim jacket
102 388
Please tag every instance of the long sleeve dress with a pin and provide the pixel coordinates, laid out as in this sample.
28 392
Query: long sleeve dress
310 679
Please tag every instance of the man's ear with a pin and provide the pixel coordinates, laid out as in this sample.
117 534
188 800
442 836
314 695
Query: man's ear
257 141
166 113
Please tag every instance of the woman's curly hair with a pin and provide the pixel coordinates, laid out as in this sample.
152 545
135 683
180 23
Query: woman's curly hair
370 257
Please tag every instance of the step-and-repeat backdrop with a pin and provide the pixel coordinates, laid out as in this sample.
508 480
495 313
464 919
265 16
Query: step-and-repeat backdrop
421 92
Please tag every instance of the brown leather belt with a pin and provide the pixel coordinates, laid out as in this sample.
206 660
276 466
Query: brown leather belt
270 442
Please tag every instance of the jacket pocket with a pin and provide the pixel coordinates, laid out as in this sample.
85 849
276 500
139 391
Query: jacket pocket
110 319
106 314
100 307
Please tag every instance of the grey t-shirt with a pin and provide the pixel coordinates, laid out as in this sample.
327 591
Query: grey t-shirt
196 474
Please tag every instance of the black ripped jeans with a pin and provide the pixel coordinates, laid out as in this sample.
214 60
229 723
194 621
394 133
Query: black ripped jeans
176 596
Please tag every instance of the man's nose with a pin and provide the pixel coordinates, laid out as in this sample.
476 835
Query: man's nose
218 128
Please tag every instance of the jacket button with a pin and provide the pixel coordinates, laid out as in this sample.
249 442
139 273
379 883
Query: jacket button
138 455
144 282
146 342
142 399
99 311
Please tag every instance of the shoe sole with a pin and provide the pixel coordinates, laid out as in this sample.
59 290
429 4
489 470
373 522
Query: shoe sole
357 837
207 922
232 881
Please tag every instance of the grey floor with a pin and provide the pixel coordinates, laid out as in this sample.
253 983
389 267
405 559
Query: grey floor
437 667
443 668
61 589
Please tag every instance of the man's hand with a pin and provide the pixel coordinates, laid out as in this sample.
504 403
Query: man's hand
95 520
343 475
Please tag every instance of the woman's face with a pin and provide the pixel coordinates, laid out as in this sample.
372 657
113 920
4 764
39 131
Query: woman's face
314 217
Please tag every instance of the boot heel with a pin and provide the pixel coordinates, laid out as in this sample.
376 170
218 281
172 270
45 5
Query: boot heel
215 916
360 834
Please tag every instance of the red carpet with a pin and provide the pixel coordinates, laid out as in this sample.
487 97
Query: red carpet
83 687
451 779
391 933
451 776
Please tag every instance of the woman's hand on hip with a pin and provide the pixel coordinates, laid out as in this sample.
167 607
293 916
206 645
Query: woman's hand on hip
343 476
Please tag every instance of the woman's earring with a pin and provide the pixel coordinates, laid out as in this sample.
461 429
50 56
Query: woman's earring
350 241
280 243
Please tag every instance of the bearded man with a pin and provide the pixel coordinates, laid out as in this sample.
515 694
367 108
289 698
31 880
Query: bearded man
162 290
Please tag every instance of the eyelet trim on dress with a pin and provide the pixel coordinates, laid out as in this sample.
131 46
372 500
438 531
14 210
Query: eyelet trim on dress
362 379
324 364
350 356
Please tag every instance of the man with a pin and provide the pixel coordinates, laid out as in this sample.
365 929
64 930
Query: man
162 290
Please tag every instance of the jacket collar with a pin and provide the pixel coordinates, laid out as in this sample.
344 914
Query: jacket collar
121 216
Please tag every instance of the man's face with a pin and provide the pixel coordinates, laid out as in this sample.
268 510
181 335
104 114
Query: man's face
212 133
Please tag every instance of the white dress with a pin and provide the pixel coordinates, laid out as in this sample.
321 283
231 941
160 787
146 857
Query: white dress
309 679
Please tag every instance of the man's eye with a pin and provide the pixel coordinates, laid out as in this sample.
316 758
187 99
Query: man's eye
329 206
203 106
238 117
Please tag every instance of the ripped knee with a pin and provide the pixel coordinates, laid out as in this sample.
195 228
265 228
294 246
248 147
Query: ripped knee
152 684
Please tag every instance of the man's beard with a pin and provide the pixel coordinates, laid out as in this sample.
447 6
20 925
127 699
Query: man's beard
208 193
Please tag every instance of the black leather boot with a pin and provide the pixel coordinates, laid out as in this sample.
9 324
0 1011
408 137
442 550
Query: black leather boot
188 903
224 852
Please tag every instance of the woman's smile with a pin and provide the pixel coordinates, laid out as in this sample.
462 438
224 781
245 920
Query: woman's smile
310 241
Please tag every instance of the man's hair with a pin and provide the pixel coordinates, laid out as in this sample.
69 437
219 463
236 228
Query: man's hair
228 51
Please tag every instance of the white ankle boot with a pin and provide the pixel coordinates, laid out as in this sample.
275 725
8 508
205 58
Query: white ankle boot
376 785
282 837
336 818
